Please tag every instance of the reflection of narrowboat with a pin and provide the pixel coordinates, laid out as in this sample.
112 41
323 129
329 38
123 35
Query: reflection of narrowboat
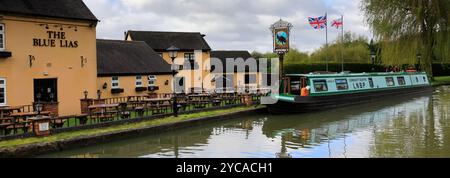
327 91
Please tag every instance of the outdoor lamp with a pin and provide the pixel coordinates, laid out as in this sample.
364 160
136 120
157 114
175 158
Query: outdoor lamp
39 107
85 94
173 53
99 94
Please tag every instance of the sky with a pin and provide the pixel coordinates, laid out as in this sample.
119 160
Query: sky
228 24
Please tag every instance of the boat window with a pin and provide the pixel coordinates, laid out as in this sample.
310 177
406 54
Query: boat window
417 80
371 82
295 87
320 85
341 84
390 81
424 79
401 81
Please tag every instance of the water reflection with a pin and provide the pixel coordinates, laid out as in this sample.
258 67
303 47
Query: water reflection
396 127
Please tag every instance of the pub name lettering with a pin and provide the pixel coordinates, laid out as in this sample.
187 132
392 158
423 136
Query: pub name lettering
55 38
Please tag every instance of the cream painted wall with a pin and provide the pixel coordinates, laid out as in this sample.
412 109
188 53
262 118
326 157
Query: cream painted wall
239 80
64 64
128 83
193 78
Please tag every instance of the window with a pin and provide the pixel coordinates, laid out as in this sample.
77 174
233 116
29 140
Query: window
2 92
139 81
320 85
401 81
250 78
151 80
390 81
189 57
115 82
341 84
424 79
371 82
2 37
295 87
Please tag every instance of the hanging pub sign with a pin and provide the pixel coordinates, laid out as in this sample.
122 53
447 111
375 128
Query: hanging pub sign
281 39
281 32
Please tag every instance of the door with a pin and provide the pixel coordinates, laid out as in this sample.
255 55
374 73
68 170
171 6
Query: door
45 90
180 85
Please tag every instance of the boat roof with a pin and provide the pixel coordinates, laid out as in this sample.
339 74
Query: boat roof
346 74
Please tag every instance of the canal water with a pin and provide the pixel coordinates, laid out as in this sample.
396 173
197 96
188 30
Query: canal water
394 127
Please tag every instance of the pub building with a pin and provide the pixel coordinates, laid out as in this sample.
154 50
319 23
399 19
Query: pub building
244 80
131 68
193 55
47 54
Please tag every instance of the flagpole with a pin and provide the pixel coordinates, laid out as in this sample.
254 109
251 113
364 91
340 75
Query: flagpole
343 47
326 39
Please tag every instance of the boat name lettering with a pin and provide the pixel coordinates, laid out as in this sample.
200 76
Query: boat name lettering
358 80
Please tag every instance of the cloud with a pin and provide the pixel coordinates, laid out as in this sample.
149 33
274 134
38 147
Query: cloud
228 24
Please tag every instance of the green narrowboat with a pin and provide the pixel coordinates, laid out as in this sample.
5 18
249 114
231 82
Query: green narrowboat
301 93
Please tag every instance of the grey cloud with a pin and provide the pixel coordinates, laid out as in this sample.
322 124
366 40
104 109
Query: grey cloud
228 24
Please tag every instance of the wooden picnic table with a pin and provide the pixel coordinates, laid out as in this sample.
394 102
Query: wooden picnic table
28 114
103 106
7 110
104 115
159 105
200 100
158 100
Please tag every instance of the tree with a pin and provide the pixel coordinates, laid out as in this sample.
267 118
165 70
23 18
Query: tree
408 28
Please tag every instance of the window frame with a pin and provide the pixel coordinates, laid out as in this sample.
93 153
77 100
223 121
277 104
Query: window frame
139 80
187 57
4 91
2 41
393 82
403 83
346 84
151 78
371 84
320 81
113 81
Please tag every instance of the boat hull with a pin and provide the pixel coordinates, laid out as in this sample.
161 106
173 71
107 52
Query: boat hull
318 103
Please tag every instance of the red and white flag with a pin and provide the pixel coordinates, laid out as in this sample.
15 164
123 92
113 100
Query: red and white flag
338 23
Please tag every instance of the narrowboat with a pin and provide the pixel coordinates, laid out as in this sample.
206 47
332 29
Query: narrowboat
300 93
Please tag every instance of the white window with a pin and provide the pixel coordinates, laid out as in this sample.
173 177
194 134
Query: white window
189 57
152 80
2 37
139 81
115 82
2 92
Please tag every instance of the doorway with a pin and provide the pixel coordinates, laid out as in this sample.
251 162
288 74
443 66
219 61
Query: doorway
45 90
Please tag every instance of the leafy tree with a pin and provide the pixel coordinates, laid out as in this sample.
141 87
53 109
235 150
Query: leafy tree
406 28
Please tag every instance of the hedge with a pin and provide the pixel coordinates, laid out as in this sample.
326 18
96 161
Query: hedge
438 69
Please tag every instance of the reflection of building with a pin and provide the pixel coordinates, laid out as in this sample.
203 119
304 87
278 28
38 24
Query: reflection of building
243 76
47 53
128 68
193 55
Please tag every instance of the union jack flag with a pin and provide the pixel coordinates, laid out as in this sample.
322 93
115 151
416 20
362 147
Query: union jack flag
338 23
319 22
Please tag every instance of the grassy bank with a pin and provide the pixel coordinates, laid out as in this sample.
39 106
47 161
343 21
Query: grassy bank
144 124
441 81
